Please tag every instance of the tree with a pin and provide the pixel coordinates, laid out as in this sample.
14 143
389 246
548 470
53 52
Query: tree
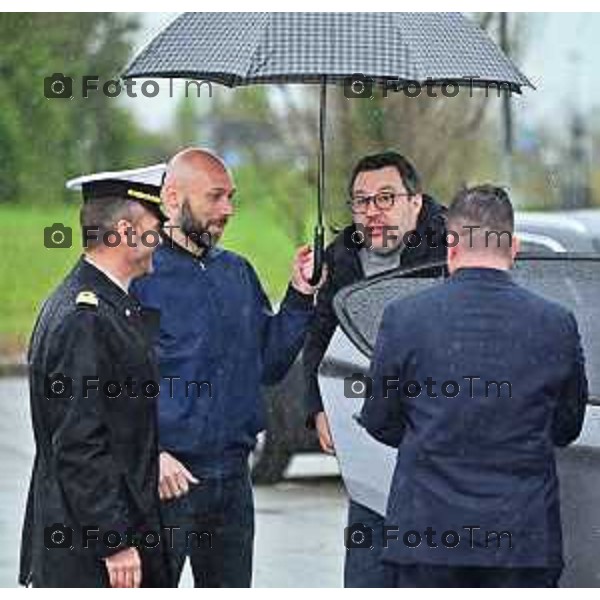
47 140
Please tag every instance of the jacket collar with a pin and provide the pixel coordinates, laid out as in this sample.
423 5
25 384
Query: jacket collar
481 273
170 244
91 277
106 272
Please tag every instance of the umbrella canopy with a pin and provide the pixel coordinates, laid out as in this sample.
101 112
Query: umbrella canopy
236 49
248 48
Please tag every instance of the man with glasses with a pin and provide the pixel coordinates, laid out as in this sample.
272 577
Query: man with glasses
394 225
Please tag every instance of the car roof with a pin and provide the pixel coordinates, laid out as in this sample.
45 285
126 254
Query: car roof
575 231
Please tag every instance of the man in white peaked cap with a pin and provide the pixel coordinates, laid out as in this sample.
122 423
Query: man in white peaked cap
93 500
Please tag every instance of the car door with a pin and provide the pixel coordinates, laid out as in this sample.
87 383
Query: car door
572 280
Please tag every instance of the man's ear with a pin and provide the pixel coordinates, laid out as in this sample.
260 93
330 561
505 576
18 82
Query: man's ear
453 252
121 228
169 197
515 246
417 200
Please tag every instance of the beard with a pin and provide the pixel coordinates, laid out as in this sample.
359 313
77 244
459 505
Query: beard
195 230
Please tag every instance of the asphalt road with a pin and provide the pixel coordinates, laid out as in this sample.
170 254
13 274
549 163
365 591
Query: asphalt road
299 522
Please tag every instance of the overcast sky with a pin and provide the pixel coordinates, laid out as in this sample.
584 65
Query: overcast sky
561 56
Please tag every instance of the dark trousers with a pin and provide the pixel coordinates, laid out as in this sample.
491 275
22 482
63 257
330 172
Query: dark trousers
428 576
363 567
216 521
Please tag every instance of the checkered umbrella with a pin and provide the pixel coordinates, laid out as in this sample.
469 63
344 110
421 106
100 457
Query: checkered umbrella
236 49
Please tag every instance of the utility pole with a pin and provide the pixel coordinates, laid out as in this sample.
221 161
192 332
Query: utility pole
508 174
507 120
576 192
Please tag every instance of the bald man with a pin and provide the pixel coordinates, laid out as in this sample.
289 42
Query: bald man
219 342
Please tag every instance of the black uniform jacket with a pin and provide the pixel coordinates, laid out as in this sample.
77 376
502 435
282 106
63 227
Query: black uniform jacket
96 461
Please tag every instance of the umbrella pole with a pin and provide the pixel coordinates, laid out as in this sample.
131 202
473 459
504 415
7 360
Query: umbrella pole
322 127
319 237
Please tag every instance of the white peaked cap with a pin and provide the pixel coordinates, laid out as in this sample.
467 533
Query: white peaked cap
152 175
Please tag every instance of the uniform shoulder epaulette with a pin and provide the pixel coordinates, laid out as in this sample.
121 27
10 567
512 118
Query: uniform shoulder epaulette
86 298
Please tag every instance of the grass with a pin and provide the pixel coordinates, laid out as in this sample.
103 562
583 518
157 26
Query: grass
29 271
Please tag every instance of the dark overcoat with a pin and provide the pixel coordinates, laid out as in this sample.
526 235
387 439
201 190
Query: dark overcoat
96 460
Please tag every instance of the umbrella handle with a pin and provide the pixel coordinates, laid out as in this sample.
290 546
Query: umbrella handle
319 255
319 239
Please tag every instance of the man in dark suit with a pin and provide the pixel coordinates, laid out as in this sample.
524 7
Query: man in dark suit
92 515
475 381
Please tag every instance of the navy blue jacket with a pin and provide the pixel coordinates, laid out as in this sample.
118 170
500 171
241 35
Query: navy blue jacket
474 461
217 329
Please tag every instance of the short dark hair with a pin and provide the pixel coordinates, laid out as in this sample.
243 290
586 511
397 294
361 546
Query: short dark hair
486 207
374 162
103 214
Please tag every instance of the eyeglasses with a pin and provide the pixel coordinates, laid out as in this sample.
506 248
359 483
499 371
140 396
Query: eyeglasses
382 201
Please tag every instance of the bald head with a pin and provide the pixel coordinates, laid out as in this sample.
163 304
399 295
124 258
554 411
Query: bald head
197 193
191 163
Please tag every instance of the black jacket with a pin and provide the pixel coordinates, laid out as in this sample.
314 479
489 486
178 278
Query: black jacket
344 268
480 454
96 462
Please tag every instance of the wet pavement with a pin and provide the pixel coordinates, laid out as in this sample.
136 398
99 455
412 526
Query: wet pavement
299 522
